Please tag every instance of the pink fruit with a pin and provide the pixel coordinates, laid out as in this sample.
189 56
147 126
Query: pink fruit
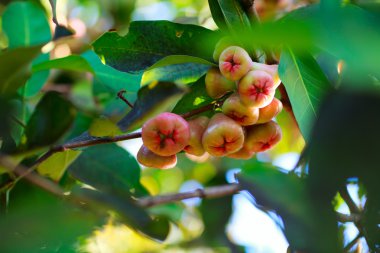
152 160
262 137
197 128
216 84
270 69
256 88
234 108
243 153
234 63
223 136
166 134
270 111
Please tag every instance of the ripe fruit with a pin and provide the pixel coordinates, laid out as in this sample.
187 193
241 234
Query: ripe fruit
256 88
223 136
150 159
263 136
234 108
197 128
270 69
166 134
234 63
216 84
220 46
270 111
243 153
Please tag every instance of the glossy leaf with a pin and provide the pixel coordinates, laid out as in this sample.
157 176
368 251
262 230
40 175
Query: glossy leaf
71 62
15 67
132 215
152 99
25 24
149 41
179 59
108 168
306 86
56 165
217 14
50 120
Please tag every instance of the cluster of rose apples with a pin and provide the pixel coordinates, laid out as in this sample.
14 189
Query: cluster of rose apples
242 128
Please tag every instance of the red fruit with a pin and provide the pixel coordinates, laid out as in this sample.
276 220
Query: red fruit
263 136
234 63
270 111
216 84
197 128
152 160
166 134
256 88
244 153
234 108
270 69
223 136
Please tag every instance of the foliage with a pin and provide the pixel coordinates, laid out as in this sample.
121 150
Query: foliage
58 96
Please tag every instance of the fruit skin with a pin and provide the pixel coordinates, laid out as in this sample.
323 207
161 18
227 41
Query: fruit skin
166 134
223 136
243 153
244 115
150 159
222 44
197 128
234 63
270 111
270 69
256 88
262 137
216 84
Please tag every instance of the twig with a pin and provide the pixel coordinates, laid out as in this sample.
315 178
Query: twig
53 7
348 217
211 192
120 95
198 111
354 209
352 243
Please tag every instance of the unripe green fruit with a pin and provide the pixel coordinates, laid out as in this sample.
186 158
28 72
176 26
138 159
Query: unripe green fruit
216 84
270 111
166 134
262 137
197 127
256 88
220 46
234 63
272 70
234 108
152 160
223 136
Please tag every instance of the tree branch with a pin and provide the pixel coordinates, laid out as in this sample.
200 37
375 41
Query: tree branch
354 209
348 217
207 193
352 243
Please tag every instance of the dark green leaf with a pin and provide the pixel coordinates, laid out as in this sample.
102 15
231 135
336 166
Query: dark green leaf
37 80
152 100
149 41
131 214
217 14
25 24
309 224
15 67
197 97
306 86
49 121
179 59
108 168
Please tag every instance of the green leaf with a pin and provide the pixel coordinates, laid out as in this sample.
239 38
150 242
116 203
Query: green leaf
152 100
108 168
309 223
25 24
149 41
178 73
195 98
229 14
56 165
103 127
179 59
50 120
71 62
37 80
306 86
15 67
132 215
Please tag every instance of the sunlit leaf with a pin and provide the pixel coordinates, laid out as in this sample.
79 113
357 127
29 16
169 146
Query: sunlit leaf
71 62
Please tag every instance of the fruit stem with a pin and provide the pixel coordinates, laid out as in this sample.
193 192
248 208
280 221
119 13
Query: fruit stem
120 95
